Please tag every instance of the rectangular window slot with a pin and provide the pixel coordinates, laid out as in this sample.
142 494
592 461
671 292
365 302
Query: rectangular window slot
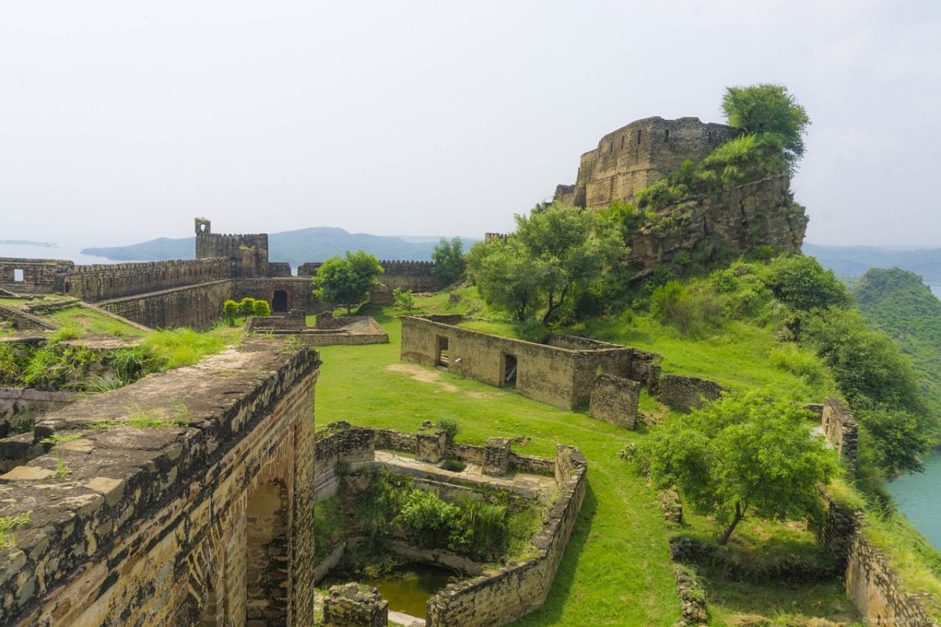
18 275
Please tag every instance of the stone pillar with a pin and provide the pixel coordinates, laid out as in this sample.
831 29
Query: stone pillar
431 446
355 605
496 457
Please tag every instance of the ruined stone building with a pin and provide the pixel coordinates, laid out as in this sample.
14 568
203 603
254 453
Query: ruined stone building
636 155
720 224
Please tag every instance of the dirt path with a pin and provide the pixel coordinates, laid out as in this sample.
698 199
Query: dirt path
426 375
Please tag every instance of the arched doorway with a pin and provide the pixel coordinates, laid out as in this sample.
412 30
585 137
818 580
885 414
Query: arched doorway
279 302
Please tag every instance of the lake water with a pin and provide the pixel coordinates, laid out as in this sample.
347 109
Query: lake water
937 290
62 251
919 498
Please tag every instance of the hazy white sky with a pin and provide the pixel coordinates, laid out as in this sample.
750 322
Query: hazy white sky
121 121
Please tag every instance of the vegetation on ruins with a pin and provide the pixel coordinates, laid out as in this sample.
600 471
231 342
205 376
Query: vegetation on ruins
347 281
404 300
743 455
771 111
8 524
448 257
555 253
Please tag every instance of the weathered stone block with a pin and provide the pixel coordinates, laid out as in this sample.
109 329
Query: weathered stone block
496 457
355 605
687 393
614 400
431 446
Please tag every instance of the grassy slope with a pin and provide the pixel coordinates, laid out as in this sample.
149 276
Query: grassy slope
617 570
87 320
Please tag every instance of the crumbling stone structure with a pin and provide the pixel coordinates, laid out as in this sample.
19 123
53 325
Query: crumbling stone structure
636 155
841 430
491 597
687 393
205 519
355 605
560 372
614 400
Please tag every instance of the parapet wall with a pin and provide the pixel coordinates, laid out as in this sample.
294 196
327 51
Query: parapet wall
195 306
100 282
206 520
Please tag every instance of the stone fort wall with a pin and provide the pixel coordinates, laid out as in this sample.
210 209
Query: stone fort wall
32 276
100 282
207 522
636 155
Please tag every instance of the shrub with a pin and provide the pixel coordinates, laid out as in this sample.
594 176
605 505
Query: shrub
261 308
428 518
802 283
453 465
130 364
246 306
691 309
403 299
230 309
800 363
450 428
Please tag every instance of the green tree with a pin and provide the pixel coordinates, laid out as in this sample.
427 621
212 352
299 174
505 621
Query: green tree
448 256
554 252
768 109
403 299
347 281
802 283
879 383
745 455
261 308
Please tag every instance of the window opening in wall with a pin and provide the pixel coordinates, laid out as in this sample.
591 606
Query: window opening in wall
638 137
441 352
18 275
279 302
666 136
509 371
622 141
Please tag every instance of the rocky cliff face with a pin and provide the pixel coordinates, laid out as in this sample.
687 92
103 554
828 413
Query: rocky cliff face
728 222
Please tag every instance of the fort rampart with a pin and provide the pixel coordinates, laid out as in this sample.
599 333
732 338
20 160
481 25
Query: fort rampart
205 519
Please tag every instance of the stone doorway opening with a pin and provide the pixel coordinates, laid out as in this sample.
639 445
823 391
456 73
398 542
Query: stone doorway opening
441 352
279 301
509 371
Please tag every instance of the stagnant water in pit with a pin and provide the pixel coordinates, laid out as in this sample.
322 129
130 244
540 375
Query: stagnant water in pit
407 589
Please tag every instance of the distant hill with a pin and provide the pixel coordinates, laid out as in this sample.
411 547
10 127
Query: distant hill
853 261
295 247
897 302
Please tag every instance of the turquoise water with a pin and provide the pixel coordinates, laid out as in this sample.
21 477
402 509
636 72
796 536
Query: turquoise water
919 498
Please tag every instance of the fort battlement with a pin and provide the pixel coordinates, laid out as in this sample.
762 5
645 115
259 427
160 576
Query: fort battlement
103 281
638 154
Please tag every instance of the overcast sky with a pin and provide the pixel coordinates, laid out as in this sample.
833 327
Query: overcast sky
120 121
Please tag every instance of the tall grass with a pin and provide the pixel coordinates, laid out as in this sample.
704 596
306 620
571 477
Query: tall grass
184 347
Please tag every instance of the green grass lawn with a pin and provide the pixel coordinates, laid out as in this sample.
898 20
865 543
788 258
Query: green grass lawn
617 568
87 320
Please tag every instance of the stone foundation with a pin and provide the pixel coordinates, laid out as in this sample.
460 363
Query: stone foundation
687 393
355 605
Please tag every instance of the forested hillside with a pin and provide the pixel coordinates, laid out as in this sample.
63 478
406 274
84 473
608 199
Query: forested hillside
900 304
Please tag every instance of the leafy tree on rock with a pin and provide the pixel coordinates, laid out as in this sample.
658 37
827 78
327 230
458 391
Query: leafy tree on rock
555 251
347 281
768 109
448 256
745 455
802 283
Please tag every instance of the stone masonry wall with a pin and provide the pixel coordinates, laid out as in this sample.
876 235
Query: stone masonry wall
175 525
638 154
559 376
841 430
614 400
100 282
517 589
39 275
417 276
686 393
195 306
